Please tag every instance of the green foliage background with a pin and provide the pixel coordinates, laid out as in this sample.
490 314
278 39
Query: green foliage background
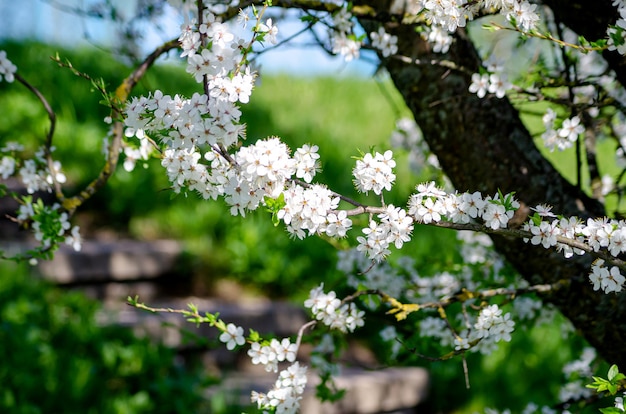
342 116
57 359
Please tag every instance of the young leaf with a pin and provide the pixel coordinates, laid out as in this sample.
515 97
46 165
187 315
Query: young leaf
614 374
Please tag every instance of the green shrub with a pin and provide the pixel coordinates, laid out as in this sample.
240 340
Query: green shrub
56 359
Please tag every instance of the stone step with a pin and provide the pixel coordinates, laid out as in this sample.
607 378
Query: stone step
367 392
110 271
112 261
390 390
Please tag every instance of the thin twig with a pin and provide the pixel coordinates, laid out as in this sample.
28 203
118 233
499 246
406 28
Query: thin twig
49 136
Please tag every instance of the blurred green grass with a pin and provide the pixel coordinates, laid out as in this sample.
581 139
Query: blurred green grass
56 357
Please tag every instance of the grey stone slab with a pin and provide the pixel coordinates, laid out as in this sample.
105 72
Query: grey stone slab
389 390
370 392
112 261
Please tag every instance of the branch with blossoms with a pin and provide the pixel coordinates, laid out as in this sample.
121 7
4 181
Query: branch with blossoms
48 148
585 46
491 325
254 174
272 354
402 310
51 224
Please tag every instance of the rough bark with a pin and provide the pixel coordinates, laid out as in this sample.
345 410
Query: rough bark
483 145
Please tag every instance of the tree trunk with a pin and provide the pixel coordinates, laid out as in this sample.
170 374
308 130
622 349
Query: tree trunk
483 145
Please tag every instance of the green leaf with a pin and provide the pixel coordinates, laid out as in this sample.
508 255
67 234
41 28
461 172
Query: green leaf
490 27
274 205
308 18
611 410
613 372
254 336
599 43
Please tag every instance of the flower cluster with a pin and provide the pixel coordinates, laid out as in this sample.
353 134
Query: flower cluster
34 172
383 41
609 280
561 138
285 395
431 205
7 68
190 122
187 125
490 327
491 322
595 233
307 162
326 307
287 392
452 14
272 354
374 172
617 33
266 165
8 162
494 83
313 209
395 227
345 43
438 37
7 166
50 225
449 14
343 40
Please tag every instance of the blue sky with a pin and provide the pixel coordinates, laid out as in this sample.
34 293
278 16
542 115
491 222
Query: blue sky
38 19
